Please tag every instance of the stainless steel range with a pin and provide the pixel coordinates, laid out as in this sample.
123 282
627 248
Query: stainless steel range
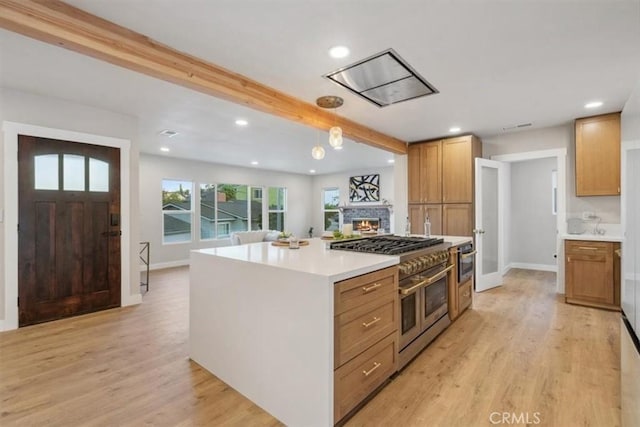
423 269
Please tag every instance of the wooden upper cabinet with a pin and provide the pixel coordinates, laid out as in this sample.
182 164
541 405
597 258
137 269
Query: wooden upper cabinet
457 169
598 155
425 172
413 165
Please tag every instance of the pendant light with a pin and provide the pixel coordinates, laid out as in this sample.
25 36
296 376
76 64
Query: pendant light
335 133
317 152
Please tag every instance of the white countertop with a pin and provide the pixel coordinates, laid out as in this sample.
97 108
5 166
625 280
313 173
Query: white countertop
593 237
315 258
453 240
456 240
612 233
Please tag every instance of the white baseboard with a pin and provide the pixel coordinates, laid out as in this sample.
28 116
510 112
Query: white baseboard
539 267
131 300
163 265
506 269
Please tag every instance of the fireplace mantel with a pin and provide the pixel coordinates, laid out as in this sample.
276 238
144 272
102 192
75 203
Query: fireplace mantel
388 206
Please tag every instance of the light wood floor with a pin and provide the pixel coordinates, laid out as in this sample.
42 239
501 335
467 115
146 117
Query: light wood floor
519 350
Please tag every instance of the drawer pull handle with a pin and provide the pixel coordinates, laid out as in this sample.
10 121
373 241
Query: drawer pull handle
376 365
619 253
588 248
466 294
373 322
367 289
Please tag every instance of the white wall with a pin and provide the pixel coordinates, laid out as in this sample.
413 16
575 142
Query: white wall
153 169
606 207
341 181
532 240
21 107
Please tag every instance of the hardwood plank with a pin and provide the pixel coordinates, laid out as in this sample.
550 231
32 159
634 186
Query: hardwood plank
519 349
60 24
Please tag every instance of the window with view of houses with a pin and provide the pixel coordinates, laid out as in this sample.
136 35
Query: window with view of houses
331 199
277 208
224 209
177 211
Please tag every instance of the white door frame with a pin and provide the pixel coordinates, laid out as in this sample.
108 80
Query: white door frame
11 131
560 154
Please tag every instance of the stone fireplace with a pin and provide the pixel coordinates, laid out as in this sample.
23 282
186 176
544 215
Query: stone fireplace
379 213
365 224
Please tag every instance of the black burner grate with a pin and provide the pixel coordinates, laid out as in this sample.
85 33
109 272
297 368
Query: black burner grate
388 245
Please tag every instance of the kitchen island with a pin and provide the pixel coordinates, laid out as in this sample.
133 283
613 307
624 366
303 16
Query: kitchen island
261 319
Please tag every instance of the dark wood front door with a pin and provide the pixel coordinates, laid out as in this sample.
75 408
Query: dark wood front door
69 229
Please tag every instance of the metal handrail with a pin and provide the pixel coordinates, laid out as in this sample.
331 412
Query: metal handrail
144 257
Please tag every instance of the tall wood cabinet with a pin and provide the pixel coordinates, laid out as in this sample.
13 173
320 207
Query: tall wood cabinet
440 183
598 155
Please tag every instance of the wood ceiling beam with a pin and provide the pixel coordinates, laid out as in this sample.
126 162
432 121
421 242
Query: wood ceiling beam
58 23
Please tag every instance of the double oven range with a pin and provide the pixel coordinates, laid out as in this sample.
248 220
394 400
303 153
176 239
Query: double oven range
423 270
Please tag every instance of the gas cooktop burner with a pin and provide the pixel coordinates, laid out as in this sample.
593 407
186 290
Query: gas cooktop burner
388 245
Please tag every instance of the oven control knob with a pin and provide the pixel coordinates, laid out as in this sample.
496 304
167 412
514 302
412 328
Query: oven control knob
405 268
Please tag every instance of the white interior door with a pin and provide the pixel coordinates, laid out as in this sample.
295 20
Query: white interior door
489 224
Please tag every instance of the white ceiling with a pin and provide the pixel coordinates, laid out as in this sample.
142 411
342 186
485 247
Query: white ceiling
495 63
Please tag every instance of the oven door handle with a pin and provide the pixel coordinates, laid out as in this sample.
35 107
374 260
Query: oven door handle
427 281
463 256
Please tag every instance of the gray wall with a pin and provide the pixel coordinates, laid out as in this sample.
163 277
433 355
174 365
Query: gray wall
533 226
21 107
153 169
606 207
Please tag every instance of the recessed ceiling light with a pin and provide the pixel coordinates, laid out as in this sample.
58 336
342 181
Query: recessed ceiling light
454 129
254 163
164 149
391 161
168 132
339 147
242 122
594 104
339 51
312 171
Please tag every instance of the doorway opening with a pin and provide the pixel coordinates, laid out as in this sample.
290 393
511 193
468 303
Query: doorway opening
532 231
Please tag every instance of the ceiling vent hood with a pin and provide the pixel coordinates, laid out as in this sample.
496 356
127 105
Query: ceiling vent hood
383 79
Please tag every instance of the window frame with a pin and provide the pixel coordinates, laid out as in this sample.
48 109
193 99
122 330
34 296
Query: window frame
164 211
283 211
336 210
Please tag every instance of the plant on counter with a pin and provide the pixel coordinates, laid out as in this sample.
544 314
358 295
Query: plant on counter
338 235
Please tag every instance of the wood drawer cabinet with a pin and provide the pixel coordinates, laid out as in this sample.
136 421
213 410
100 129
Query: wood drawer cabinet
464 295
364 289
358 329
355 380
366 323
460 296
589 274
598 155
441 182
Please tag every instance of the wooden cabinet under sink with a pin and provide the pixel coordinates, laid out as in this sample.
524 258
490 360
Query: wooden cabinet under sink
590 274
